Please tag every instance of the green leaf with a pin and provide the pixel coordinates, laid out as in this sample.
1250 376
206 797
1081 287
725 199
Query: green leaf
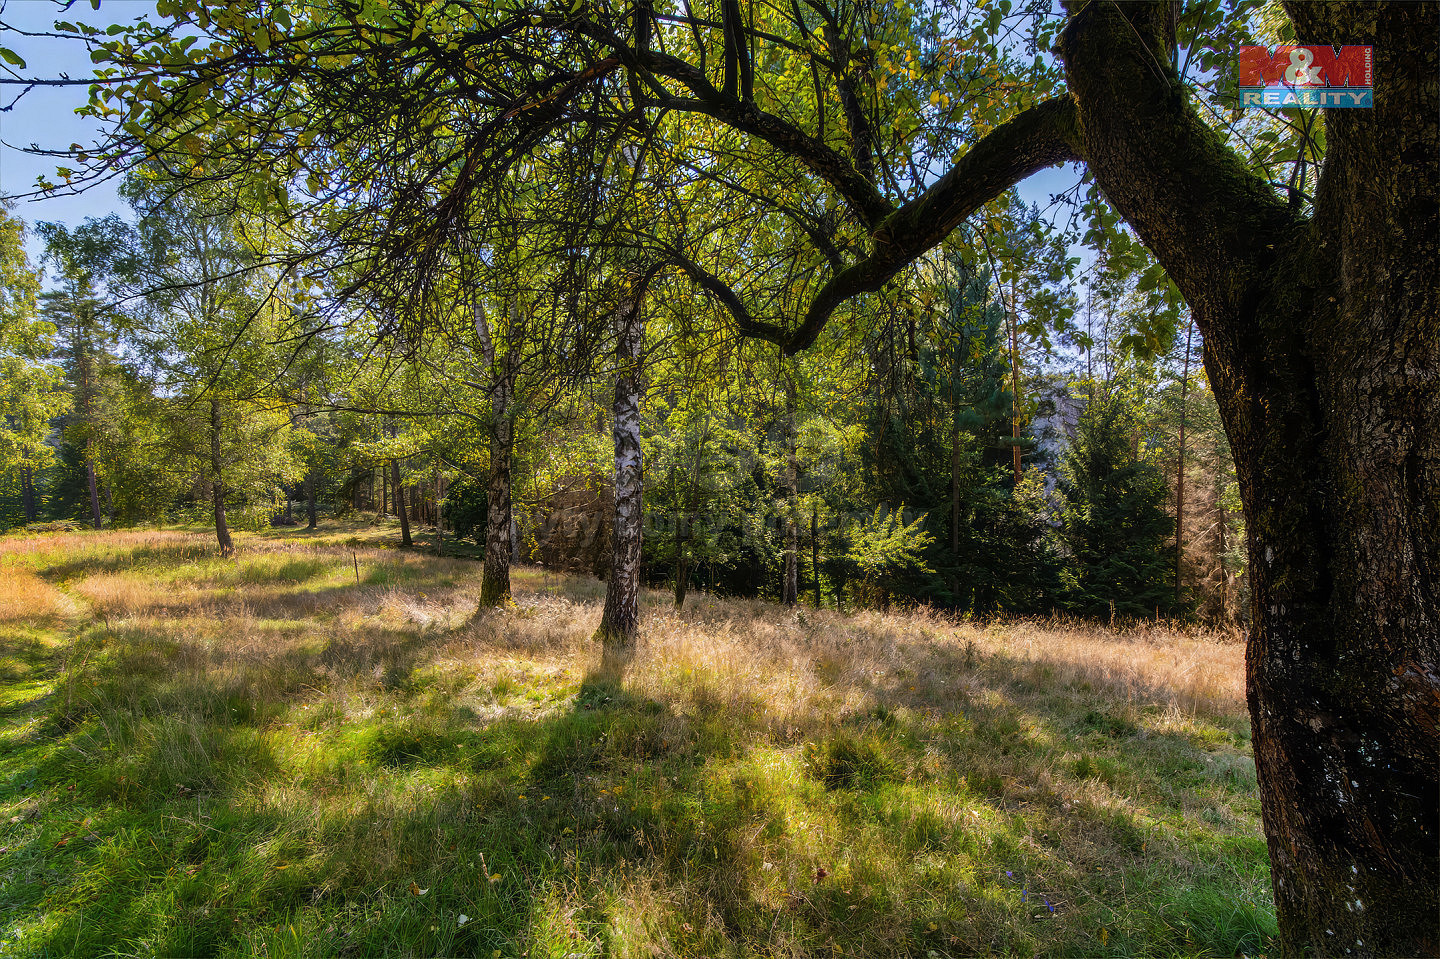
11 57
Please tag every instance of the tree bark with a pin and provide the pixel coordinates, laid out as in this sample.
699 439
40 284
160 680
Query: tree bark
400 503
620 621
495 578
82 349
1322 343
217 484
790 591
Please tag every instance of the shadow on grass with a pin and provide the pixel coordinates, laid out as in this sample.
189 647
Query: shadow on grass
352 804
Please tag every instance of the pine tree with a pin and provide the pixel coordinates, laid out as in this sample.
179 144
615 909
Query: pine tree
1114 518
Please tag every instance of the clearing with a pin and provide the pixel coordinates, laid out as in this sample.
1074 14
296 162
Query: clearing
313 748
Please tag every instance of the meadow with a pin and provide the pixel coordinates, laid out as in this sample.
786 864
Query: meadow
317 747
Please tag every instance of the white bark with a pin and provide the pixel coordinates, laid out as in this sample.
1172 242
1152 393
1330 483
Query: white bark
620 621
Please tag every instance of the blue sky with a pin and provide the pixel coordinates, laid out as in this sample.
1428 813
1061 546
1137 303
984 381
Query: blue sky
46 115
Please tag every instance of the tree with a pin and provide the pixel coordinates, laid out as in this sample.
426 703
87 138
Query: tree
1318 323
31 388
1321 343
620 618
1114 517
82 259
884 544
207 325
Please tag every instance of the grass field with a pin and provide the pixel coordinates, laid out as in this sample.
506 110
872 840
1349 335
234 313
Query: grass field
316 748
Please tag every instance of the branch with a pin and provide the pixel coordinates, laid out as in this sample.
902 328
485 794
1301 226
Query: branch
1188 196
820 159
721 292
1042 136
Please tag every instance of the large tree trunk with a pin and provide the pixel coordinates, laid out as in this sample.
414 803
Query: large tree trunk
620 621
1322 342
217 483
495 578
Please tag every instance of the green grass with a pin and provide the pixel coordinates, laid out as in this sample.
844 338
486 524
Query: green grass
259 756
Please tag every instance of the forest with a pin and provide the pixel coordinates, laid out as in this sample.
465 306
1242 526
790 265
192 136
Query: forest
423 329
1003 447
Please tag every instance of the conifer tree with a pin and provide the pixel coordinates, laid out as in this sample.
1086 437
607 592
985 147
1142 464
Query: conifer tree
1114 517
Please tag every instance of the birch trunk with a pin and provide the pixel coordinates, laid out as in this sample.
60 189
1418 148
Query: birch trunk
620 621
499 550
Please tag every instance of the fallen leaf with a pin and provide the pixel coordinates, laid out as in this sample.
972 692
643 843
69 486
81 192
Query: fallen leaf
415 890
462 920
821 873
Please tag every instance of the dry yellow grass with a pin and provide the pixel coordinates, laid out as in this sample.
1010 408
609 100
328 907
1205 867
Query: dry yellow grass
348 711
25 596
